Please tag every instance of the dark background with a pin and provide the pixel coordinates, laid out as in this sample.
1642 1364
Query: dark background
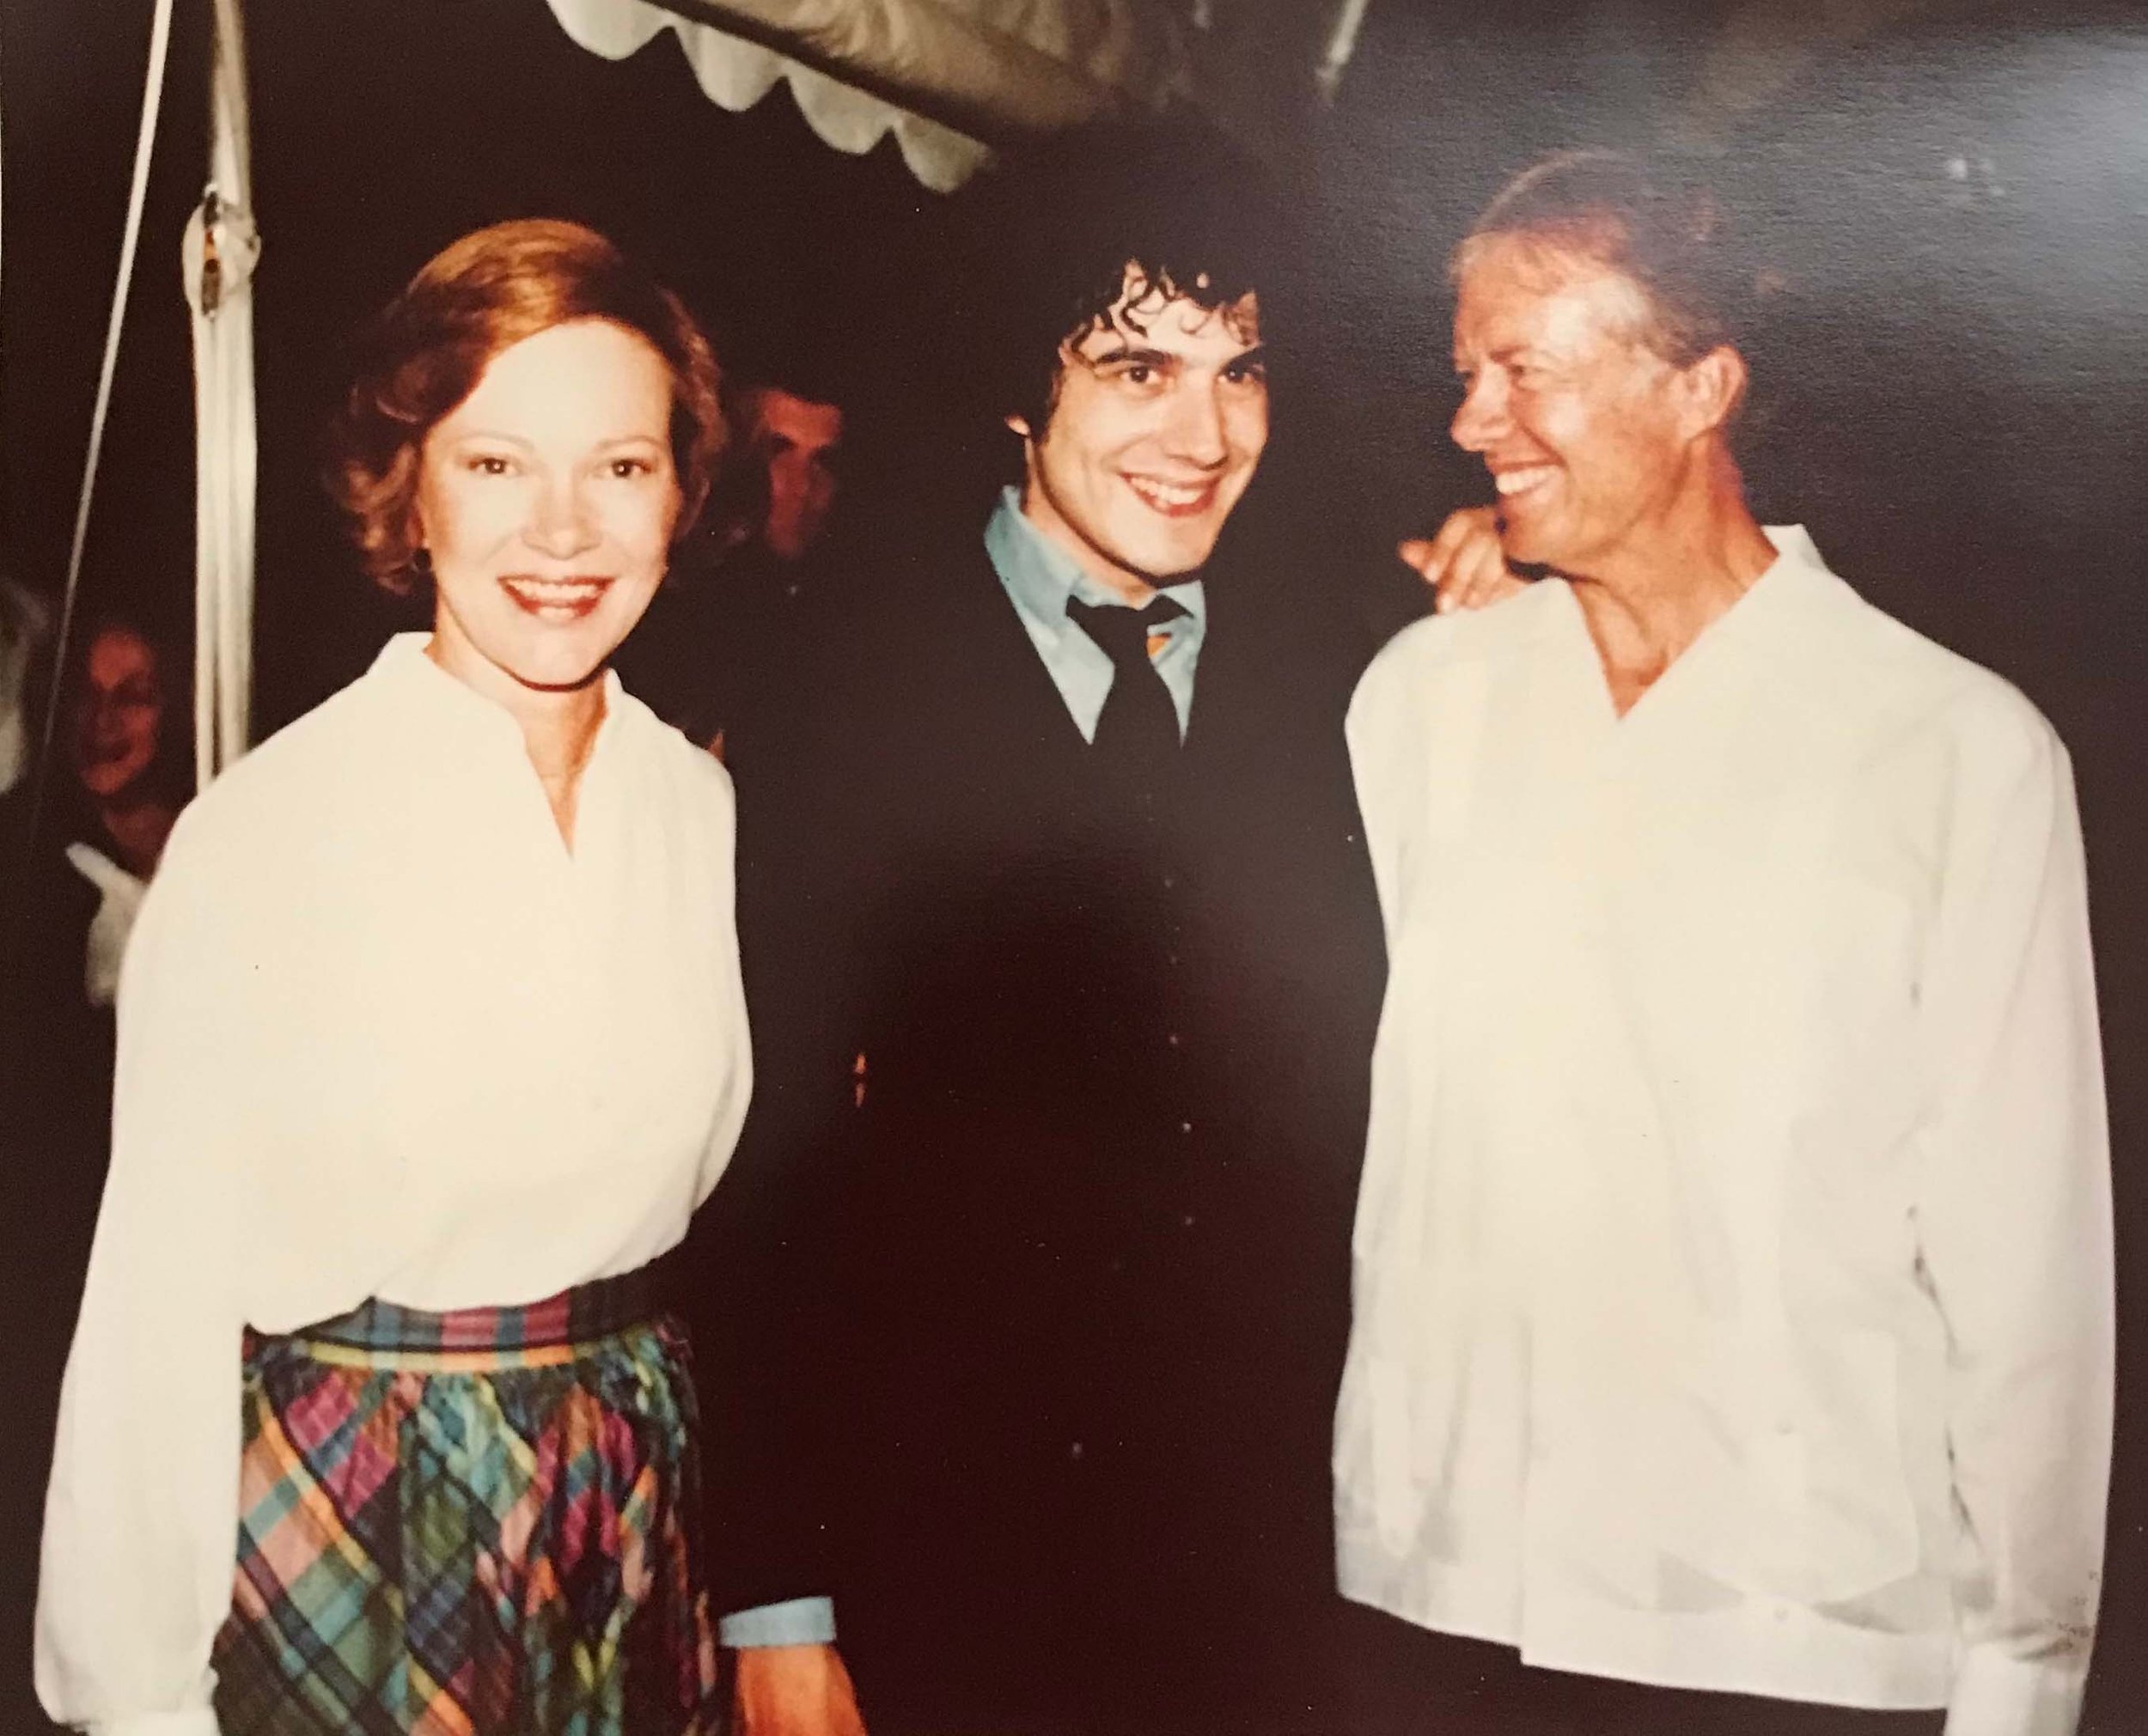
1952 393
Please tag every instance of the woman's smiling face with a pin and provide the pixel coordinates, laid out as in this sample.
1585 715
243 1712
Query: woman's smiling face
546 503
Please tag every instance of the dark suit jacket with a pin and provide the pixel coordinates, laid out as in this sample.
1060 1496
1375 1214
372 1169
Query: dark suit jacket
1039 1237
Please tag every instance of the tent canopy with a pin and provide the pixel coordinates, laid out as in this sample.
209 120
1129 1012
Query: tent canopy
951 78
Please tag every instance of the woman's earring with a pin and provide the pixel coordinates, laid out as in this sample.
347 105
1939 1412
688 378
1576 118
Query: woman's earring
421 562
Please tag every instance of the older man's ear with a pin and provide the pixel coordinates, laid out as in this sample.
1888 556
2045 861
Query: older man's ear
1464 563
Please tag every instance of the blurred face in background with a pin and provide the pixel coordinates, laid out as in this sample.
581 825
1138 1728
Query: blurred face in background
119 712
545 504
798 440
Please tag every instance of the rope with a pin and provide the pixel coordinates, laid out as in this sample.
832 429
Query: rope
137 198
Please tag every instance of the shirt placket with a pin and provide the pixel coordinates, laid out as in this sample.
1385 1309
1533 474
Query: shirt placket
1554 1225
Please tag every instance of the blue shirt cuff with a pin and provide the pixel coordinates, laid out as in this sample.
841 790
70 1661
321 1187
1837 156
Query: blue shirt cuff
801 1622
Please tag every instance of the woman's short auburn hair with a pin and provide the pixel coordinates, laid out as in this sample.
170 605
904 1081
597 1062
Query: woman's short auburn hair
425 351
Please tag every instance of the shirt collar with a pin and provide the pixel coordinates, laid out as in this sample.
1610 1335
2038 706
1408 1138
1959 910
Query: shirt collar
441 701
1040 576
1793 546
1798 576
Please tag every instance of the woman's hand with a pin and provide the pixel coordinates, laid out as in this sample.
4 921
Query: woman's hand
794 1690
1464 563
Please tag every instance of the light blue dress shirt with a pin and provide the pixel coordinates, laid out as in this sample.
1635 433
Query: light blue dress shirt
1039 577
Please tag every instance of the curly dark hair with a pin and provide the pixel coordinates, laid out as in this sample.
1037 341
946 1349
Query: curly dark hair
426 350
1655 222
1108 211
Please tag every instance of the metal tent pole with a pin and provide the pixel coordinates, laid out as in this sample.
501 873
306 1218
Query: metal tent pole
221 249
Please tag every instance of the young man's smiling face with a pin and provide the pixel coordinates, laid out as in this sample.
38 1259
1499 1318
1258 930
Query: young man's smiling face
1157 423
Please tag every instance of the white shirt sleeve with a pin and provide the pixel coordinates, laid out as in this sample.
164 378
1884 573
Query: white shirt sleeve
2014 1217
730 1119
142 1512
1373 729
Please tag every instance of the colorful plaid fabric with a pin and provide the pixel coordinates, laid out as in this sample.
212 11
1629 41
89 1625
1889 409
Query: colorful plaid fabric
442 1535
495 1337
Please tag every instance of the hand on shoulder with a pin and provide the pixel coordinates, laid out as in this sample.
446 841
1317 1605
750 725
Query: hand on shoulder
1463 562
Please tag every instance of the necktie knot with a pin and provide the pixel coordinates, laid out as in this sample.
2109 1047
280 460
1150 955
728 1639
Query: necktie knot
1140 722
1121 633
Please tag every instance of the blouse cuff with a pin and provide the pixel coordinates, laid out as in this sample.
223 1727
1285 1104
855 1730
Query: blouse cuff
198 1720
799 1622
1996 1695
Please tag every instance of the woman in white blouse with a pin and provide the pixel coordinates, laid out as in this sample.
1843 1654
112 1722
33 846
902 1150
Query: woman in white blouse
431 1039
1733 1307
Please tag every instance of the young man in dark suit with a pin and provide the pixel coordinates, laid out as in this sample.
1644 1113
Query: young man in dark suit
1063 964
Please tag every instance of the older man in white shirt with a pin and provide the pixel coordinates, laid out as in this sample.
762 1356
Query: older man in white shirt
1734 1290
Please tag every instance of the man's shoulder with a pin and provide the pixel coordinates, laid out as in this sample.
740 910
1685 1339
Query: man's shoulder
1264 644
1441 644
1880 663
909 588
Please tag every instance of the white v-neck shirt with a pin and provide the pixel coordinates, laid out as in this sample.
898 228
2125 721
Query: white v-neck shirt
1737 1197
380 1034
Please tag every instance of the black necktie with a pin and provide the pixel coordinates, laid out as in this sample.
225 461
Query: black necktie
1140 722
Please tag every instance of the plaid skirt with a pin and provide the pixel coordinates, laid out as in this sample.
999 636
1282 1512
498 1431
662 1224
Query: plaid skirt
482 1521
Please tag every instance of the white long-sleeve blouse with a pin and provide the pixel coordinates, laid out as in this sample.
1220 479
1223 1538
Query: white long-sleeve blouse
1734 1288
380 1034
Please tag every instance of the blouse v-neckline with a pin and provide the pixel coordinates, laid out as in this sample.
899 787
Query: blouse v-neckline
504 731
1727 628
